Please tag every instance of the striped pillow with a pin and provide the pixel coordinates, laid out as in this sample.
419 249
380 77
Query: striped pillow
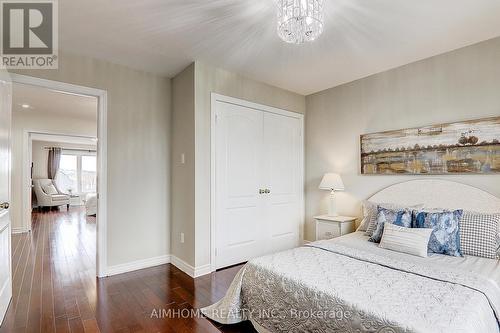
406 240
479 234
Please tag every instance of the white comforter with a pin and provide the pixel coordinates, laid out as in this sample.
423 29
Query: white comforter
351 285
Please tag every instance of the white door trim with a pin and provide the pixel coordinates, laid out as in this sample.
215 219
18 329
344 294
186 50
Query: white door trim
231 100
102 112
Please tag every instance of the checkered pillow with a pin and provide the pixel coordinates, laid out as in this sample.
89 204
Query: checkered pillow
479 234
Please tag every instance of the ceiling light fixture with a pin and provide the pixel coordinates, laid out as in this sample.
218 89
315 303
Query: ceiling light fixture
25 106
300 21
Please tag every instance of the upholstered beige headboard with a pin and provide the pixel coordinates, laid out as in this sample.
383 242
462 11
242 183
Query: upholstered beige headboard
437 193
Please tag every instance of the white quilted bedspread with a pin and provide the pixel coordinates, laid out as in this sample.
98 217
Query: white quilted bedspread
331 287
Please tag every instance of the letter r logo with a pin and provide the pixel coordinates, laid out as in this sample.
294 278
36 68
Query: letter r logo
27 27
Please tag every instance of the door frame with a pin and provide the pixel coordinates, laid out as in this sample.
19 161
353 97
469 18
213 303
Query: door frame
102 135
213 118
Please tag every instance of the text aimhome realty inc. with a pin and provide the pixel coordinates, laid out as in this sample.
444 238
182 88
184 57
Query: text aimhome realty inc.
185 313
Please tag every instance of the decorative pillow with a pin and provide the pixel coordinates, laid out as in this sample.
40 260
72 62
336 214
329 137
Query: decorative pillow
445 238
50 189
498 243
371 212
401 217
370 216
363 225
369 209
405 240
479 234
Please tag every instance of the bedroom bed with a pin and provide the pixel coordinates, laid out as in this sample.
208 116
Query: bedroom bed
351 285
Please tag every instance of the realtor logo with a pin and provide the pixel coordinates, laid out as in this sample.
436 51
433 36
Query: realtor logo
29 34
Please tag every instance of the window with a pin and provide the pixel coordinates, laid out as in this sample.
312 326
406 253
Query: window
67 176
77 173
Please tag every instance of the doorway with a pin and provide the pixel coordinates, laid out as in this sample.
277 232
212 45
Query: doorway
76 177
100 142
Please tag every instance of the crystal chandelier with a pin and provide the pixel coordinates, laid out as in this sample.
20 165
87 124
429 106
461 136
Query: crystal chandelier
300 21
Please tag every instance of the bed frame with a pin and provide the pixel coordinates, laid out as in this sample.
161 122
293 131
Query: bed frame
438 193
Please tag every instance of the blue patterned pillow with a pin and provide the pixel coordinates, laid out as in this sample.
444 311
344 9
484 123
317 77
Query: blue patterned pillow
445 237
400 217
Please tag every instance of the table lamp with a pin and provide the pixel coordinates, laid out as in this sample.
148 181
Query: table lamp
332 182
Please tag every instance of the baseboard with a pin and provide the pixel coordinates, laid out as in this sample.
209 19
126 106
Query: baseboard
19 230
193 272
138 264
202 270
190 270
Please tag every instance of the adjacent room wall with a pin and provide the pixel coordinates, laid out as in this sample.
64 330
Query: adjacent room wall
459 85
31 120
209 79
138 154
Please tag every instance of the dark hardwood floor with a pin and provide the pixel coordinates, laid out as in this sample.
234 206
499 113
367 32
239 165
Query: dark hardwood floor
55 289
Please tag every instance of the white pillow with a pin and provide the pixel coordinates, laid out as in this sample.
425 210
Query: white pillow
406 240
50 189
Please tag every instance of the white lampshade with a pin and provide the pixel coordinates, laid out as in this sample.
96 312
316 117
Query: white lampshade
331 182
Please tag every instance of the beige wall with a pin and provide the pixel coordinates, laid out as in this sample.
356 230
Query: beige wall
459 85
182 175
31 120
138 153
207 80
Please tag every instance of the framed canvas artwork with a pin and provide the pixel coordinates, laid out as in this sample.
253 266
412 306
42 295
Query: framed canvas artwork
454 148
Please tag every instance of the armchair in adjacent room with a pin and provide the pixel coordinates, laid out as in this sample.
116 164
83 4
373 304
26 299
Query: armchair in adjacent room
48 195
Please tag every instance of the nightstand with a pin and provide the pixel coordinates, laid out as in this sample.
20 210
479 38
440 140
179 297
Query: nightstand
334 226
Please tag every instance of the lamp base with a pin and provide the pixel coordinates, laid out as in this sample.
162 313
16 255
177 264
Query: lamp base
332 207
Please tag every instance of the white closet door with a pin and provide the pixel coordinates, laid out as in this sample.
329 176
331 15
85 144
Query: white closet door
282 157
239 219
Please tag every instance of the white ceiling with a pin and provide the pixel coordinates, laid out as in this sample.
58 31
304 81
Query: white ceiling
362 37
51 102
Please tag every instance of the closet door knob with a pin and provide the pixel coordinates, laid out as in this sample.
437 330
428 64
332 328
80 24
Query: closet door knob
267 191
4 205
261 191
